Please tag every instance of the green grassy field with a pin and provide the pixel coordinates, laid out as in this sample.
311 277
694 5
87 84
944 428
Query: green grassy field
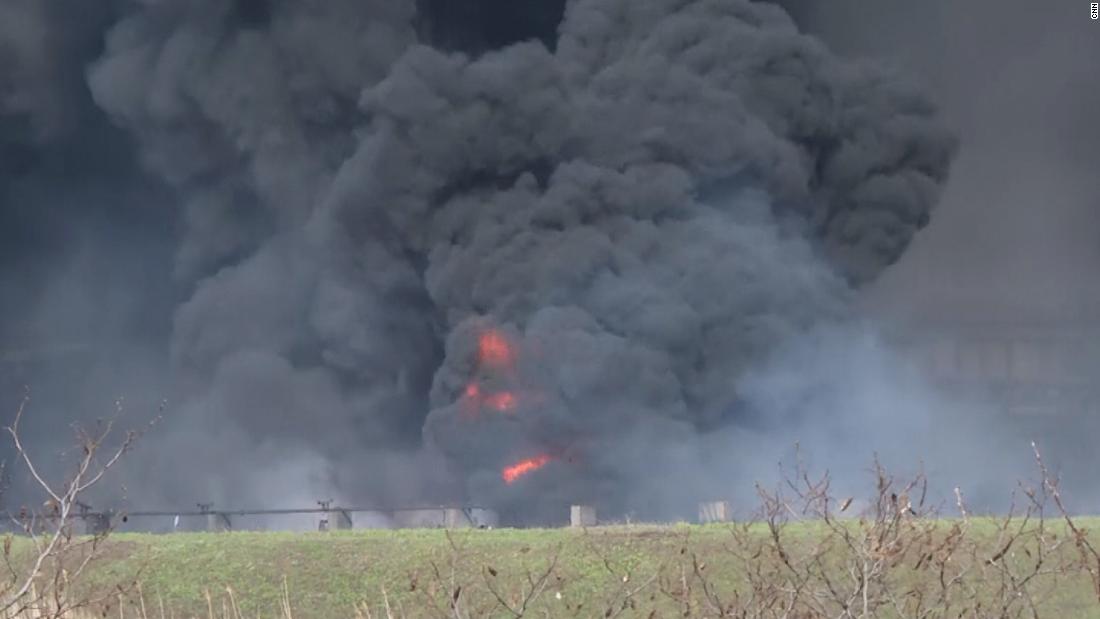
635 571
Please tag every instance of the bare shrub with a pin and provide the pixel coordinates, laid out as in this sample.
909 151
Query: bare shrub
805 557
44 558
806 554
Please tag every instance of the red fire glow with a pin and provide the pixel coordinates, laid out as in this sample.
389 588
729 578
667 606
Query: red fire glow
502 402
493 349
495 358
523 467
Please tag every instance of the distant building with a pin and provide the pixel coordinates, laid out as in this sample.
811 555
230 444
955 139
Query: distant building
1034 369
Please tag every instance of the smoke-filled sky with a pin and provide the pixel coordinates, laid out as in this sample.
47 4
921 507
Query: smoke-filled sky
381 250
1015 238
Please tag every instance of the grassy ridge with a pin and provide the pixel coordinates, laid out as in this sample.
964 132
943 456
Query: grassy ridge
615 571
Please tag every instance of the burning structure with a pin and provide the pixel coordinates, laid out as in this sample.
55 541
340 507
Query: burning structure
530 276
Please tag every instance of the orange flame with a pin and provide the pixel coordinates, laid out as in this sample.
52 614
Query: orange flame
495 352
493 349
502 402
523 467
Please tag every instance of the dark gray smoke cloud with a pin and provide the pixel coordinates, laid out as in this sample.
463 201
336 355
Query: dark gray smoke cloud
1013 242
84 238
1014 239
644 208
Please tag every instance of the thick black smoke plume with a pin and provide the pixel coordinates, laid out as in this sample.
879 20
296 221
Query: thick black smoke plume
636 211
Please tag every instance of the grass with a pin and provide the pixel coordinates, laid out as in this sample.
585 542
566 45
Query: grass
635 570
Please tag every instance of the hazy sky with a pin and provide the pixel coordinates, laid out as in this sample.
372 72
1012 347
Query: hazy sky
1017 234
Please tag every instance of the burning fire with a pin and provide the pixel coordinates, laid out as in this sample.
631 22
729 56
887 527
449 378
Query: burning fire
496 353
493 349
523 467
502 402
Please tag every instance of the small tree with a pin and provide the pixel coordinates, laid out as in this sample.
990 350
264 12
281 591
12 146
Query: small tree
38 582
